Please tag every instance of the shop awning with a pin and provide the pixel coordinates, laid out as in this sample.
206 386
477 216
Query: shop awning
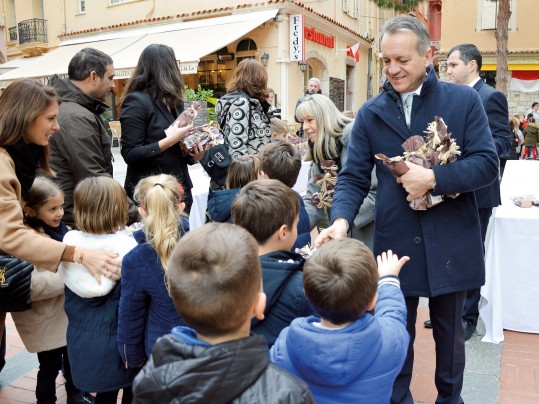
190 40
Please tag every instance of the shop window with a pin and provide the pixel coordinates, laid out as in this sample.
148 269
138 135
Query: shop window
489 77
246 45
489 14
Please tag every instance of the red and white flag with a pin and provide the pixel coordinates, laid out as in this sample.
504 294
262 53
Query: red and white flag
354 51
526 81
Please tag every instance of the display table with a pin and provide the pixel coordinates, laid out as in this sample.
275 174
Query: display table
201 185
512 286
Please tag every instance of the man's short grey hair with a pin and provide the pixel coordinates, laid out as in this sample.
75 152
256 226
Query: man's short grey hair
403 23
315 80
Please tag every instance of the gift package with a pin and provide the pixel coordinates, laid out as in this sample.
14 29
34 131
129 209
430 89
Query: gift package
202 134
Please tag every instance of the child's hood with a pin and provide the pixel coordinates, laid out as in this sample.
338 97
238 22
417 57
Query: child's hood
199 373
332 357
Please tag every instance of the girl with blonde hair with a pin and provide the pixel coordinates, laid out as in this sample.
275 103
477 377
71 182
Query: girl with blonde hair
100 211
146 310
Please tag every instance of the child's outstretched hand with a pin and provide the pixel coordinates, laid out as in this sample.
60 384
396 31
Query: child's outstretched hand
390 264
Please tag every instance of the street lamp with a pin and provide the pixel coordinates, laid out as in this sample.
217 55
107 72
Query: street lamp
264 59
302 66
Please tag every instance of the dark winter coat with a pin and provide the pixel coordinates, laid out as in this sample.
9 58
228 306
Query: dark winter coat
82 147
282 279
144 121
146 311
531 135
304 226
443 242
220 204
183 369
91 336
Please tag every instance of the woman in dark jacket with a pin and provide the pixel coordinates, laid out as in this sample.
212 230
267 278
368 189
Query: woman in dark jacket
152 100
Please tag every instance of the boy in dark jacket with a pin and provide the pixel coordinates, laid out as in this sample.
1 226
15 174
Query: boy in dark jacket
281 161
215 283
268 209
348 354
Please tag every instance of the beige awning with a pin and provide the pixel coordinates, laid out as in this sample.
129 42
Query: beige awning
190 40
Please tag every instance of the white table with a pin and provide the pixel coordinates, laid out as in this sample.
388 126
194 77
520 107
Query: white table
511 290
201 184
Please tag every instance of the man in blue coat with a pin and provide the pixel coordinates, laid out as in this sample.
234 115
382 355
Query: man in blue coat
463 66
443 242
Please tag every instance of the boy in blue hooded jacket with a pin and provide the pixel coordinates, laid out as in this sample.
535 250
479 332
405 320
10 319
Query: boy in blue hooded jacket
348 354
269 210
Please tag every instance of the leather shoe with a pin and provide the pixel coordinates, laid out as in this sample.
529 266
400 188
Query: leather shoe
469 329
427 324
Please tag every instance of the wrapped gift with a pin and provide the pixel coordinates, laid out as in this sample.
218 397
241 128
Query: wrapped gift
202 134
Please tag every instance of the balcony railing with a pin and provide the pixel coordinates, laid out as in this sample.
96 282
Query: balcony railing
34 30
13 34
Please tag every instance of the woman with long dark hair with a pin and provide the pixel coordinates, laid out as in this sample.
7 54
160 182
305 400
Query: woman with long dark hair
151 102
242 112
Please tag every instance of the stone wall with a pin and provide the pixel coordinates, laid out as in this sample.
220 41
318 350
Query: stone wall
520 102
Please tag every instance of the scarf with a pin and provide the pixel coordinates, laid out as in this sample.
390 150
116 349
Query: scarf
56 233
27 160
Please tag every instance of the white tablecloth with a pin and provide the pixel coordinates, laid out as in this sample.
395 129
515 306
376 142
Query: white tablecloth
201 184
512 285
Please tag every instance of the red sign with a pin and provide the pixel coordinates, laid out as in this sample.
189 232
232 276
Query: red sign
313 35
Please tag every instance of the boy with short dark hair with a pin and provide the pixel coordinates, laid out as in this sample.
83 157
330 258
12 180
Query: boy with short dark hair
281 161
348 354
215 283
268 209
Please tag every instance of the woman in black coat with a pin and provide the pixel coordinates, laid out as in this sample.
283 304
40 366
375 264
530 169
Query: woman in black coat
152 100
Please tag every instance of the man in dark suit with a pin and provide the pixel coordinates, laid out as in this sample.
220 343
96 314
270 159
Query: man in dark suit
463 67
443 242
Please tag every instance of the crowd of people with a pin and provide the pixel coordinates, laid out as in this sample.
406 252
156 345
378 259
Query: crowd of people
126 297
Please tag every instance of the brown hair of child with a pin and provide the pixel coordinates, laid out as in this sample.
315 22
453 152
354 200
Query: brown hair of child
214 277
263 206
281 161
43 190
100 206
340 280
242 170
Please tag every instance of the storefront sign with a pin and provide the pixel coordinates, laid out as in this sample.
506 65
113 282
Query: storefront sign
297 41
313 35
185 68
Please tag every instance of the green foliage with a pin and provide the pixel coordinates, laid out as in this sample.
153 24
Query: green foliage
397 5
199 95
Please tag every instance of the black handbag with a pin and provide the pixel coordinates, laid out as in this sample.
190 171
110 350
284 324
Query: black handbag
15 279
215 162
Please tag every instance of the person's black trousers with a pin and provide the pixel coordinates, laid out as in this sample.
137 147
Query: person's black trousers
448 333
471 305
50 363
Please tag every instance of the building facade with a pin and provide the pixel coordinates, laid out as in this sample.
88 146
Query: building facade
295 41
474 21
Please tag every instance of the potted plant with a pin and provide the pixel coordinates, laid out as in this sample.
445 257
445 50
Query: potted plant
206 97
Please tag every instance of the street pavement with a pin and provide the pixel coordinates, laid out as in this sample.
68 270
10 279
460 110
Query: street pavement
481 379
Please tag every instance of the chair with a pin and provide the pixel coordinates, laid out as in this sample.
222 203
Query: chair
116 131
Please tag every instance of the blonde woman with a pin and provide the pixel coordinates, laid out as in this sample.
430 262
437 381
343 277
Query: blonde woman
328 132
146 311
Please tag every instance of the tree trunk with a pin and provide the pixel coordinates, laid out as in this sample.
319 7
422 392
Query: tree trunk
502 36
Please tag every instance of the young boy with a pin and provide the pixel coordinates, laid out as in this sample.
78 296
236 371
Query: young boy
281 161
348 355
215 283
268 210
279 130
